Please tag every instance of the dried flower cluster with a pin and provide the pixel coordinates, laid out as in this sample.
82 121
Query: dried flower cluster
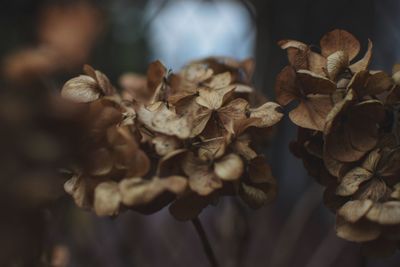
183 138
348 134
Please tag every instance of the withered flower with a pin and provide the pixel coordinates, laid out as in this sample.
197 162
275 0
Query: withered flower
170 138
351 145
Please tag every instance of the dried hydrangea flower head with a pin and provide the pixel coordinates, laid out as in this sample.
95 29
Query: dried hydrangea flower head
348 135
182 138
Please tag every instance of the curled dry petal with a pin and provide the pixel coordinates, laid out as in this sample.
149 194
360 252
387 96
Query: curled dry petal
363 63
107 199
229 168
339 40
81 89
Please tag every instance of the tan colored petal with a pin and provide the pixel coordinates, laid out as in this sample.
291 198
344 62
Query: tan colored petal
213 98
354 210
254 197
107 199
358 232
337 63
267 114
317 63
161 119
81 89
339 40
229 168
220 80
385 213
363 63
352 181
137 191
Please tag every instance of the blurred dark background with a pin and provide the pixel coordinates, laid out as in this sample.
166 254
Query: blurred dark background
44 43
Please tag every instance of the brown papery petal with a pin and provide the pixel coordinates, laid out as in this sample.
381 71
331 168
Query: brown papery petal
201 177
77 188
268 115
229 168
352 181
220 81
107 199
378 82
339 40
315 84
358 232
354 210
363 63
385 213
213 98
163 120
81 89
285 86
232 112
317 63
155 75
312 112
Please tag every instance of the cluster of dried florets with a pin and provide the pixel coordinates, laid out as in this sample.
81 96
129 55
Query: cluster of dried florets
183 138
348 135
